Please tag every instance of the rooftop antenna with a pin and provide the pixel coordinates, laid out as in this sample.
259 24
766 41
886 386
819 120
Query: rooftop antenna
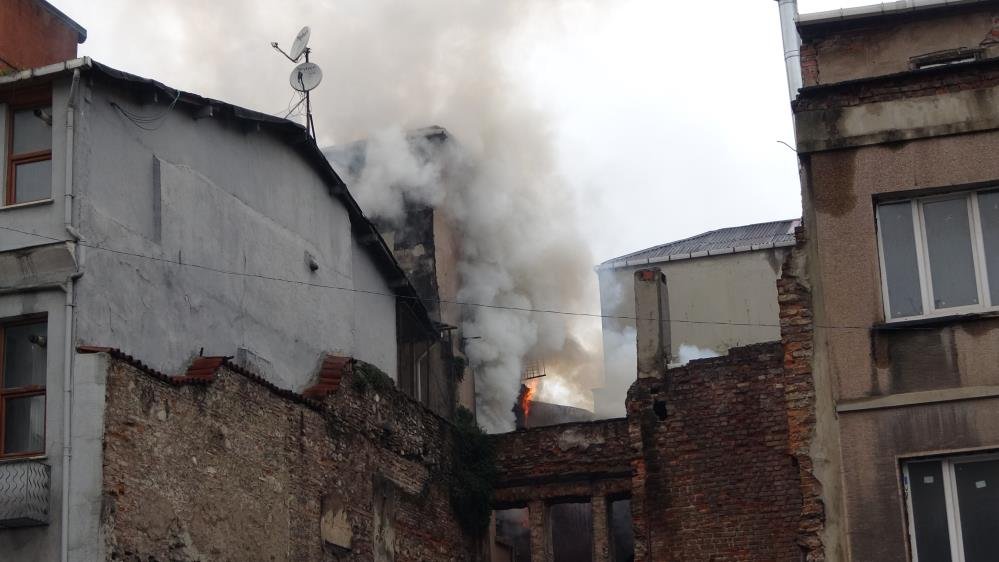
304 77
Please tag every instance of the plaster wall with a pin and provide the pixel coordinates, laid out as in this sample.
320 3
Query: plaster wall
374 316
706 297
875 443
44 218
224 220
41 544
842 189
859 362
886 48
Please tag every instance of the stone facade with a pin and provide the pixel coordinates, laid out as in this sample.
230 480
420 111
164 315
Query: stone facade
221 465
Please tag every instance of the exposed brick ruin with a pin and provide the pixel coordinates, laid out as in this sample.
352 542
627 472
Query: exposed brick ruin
220 465
714 455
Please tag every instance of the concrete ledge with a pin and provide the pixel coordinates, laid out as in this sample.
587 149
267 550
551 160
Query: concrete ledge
917 398
897 120
36 267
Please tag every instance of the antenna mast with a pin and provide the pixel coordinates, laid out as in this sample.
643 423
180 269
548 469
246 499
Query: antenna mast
305 77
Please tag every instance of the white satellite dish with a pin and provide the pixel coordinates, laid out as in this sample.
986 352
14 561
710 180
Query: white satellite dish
306 76
301 42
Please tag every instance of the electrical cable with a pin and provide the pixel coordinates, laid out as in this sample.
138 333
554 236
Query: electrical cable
145 122
393 295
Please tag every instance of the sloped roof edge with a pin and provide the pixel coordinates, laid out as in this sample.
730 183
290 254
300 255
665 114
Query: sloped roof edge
293 135
729 240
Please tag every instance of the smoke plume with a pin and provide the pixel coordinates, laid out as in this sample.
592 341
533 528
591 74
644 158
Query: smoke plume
394 65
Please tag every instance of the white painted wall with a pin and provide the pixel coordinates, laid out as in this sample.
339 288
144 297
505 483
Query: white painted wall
374 316
712 299
209 192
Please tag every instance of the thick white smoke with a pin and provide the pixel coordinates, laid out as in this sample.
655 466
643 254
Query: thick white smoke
396 65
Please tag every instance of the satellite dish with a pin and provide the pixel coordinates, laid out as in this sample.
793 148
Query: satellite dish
301 42
306 76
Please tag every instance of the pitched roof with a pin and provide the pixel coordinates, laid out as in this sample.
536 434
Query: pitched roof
292 134
730 240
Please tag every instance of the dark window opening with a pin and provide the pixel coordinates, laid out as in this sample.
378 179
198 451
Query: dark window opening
22 387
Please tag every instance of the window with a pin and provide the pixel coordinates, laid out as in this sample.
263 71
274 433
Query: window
29 153
937 254
953 508
22 387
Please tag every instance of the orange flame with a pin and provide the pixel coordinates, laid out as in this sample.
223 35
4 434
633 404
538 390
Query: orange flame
525 399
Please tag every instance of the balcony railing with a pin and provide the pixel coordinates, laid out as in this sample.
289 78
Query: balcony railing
24 494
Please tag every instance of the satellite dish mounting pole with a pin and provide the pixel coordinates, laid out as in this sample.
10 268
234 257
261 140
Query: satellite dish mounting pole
310 127
304 77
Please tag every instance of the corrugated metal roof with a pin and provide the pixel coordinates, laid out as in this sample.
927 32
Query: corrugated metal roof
731 240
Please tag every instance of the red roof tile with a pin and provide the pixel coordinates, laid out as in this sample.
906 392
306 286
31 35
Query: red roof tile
332 371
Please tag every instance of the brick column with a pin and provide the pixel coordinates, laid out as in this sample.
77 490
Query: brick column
601 534
652 322
539 533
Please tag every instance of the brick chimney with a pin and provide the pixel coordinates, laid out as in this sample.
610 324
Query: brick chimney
652 322
34 33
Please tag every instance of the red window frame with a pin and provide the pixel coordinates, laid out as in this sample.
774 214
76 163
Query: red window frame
18 392
28 100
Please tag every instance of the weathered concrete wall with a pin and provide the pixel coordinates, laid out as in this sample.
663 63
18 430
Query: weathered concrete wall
32 36
874 442
841 189
207 200
234 469
901 391
886 48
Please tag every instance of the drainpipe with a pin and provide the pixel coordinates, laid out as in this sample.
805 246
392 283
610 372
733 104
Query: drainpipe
67 378
792 45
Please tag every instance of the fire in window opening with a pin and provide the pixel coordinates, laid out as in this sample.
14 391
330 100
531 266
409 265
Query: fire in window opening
23 347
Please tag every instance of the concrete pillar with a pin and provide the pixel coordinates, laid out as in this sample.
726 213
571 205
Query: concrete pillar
652 322
539 532
601 532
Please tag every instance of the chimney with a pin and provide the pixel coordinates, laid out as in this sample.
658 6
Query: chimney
652 322
792 45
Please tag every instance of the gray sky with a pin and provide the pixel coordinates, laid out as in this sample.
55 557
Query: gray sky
665 115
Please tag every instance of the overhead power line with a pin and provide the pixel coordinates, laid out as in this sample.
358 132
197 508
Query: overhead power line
393 295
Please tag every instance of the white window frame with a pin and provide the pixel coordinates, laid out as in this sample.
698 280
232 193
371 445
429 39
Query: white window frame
950 496
923 258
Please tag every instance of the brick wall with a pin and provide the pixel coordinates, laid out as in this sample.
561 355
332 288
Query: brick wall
223 466
715 481
31 36
929 82
718 453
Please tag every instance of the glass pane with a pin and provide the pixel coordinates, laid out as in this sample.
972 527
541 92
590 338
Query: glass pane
571 527
901 265
929 511
978 497
621 534
32 181
32 130
24 355
948 242
513 536
24 425
988 206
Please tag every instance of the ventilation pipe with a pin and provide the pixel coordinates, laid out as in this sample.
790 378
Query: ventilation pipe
792 45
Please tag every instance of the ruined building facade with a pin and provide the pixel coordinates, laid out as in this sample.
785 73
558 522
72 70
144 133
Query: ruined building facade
712 462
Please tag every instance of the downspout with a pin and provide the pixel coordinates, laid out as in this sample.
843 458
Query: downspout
792 45
67 379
